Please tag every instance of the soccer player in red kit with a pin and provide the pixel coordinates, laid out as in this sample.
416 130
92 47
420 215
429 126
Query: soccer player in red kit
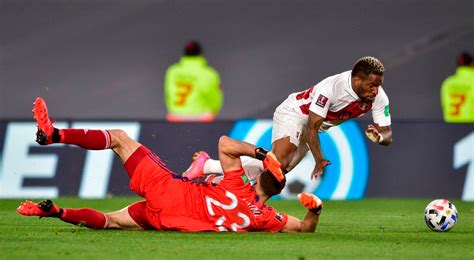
171 201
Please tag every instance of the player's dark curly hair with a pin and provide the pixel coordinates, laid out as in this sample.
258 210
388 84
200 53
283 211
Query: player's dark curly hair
269 184
366 66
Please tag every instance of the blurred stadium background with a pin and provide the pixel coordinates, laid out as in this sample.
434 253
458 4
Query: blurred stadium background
101 64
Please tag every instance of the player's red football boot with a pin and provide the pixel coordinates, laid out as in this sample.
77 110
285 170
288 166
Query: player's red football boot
196 169
45 126
45 208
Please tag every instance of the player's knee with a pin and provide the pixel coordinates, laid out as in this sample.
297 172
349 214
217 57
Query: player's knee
111 221
224 142
118 137
283 158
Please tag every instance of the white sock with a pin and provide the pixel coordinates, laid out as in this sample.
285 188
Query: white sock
252 166
212 166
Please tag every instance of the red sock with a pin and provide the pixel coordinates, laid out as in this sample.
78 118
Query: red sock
90 218
87 139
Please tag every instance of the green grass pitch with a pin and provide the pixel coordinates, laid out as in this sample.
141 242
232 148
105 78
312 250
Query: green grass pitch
370 228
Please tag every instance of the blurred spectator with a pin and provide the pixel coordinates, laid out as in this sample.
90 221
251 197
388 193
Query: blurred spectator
192 89
457 92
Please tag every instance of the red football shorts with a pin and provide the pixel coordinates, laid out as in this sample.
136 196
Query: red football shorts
164 191
147 172
138 213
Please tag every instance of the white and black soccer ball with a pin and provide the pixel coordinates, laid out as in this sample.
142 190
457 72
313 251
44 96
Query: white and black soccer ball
441 215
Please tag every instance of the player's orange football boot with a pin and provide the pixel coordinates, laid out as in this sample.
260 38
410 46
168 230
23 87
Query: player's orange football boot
45 208
45 126
196 169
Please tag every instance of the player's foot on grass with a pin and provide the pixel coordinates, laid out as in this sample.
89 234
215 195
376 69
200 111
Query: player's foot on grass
45 131
196 169
45 208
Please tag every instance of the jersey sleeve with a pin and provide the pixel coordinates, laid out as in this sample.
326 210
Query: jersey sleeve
323 95
381 110
273 221
234 180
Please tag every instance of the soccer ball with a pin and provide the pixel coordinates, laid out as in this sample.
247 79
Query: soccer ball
441 215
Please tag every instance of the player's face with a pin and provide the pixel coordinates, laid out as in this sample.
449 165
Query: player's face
368 87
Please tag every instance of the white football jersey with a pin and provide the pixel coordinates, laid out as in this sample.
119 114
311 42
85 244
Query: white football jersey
335 100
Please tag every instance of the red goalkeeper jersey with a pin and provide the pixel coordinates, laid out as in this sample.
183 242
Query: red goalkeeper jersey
173 203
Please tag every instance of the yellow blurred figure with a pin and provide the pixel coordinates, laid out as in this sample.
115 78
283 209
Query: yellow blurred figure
457 93
192 88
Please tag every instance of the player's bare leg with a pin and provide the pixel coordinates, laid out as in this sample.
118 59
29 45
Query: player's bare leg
121 219
122 144
117 140
284 151
87 217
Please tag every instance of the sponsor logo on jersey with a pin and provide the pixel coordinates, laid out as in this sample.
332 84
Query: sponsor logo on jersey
322 100
279 217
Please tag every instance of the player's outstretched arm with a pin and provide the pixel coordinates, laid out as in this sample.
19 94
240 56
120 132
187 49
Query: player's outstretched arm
314 123
310 221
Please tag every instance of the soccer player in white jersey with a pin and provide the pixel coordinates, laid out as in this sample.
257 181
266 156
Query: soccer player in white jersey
297 121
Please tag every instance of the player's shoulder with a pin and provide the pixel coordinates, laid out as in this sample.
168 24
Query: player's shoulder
336 84
382 96
174 67
337 79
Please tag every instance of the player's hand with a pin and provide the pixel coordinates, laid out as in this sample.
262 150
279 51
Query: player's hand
373 134
311 202
319 168
273 165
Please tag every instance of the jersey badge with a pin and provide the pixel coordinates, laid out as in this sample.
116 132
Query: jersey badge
322 100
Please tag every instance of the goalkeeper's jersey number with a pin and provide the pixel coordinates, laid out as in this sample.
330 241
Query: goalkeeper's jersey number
210 202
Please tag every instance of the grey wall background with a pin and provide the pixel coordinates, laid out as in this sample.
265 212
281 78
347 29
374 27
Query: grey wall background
106 59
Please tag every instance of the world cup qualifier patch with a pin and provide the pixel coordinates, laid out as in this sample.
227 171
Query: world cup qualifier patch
322 100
